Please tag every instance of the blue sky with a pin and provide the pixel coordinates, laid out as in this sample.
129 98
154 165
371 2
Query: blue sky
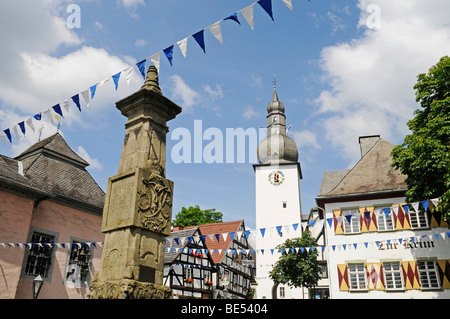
343 68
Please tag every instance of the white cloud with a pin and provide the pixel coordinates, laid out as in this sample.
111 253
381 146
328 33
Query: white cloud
305 138
140 42
371 78
130 3
213 94
33 79
94 163
182 92
249 113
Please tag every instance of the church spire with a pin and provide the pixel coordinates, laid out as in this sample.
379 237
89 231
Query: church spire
277 147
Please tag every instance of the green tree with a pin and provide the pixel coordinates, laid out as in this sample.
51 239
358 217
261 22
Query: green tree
298 269
424 155
194 216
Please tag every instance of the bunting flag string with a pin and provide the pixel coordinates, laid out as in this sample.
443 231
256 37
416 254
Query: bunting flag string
51 245
89 94
276 230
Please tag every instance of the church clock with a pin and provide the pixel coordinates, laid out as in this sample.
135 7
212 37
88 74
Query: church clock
276 178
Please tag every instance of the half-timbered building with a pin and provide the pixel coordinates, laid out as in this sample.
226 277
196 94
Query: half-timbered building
230 252
188 265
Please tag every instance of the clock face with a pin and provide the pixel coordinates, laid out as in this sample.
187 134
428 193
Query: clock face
276 178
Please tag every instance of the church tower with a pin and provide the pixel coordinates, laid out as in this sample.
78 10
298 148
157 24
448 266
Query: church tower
277 188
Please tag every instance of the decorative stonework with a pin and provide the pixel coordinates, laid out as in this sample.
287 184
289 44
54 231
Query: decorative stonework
128 289
155 203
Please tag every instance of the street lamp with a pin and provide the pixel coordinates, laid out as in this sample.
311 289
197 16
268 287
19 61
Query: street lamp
37 285
225 282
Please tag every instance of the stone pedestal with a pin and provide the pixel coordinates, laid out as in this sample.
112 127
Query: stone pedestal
138 205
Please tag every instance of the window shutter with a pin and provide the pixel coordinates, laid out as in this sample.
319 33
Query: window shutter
435 218
401 218
338 227
343 277
375 276
444 273
411 275
368 225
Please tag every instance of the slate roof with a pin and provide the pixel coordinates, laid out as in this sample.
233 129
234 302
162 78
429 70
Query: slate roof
373 173
170 256
52 166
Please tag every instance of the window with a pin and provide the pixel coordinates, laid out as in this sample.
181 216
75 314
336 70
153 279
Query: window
351 225
79 262
357 276
428 274
418 219
323 271
39 257
393 275
384 222
188 272
282 292
284 204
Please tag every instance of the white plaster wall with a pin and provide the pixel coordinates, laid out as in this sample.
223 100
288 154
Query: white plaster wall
269 214
373 253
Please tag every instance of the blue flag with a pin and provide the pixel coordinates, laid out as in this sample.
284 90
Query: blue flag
279 229
263 231
38 116
425 204
22 127
141 67
199 37
169 53
76 100
116 79
233 17
57 109
267 6
8 134
93 89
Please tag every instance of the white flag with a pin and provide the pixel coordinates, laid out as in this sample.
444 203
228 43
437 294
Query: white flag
2 137
85 95
247 12
16 132
29 122
288 3
65 104
127 73
103 82
183 46
156 58
216 31
48 113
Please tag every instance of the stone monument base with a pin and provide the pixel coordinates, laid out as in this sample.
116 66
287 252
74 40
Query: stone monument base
128 289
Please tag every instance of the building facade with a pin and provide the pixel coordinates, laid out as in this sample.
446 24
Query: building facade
51 210
379 246
277 189
188 267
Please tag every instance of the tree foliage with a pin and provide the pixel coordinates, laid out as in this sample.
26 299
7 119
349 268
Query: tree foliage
297 269
194 216
424 155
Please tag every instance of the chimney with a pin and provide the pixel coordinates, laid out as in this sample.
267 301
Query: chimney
367 142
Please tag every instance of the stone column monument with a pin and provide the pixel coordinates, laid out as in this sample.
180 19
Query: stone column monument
138 205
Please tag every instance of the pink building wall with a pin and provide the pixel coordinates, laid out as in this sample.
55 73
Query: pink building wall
16 219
